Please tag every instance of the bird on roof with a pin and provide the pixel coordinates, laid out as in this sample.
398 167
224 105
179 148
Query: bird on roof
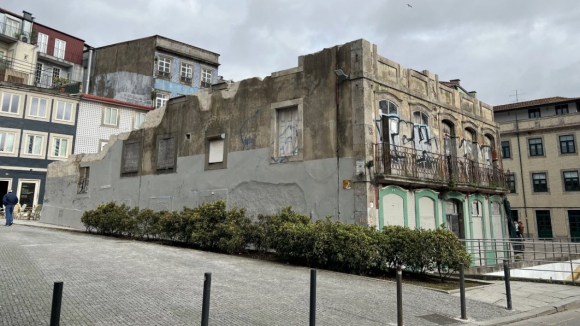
408 5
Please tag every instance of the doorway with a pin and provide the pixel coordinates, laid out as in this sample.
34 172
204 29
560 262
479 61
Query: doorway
28 192
454 216
574 221
544 223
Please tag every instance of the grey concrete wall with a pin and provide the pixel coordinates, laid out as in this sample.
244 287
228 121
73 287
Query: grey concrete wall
124 86
250 181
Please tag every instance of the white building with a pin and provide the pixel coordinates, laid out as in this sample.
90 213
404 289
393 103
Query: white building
101 117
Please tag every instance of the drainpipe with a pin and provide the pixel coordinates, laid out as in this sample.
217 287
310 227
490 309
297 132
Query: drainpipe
522 175
337 95
89 71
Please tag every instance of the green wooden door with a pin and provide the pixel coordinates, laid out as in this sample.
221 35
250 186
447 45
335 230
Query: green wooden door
544 224
574 221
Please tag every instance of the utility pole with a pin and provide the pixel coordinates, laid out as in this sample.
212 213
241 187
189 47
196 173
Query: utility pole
517 95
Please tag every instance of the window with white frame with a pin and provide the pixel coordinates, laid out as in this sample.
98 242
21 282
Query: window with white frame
161 99
34 145
7 141
164 67
12 27
10 103
420 118
38 73
38 107
59 48
64 111
186 73
476 208
206 77
139 119
60 146
42 42
102 144
55 74
110 116
287 119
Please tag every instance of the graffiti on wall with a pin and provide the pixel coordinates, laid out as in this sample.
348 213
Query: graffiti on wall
247 139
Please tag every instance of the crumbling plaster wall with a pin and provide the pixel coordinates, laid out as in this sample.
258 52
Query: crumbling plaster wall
252 178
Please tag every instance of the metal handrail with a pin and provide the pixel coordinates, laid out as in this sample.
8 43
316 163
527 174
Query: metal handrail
408 162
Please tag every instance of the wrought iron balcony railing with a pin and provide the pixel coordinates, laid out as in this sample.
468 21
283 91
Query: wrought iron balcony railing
391 160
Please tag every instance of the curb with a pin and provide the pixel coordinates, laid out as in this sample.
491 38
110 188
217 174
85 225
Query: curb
49 226
558 306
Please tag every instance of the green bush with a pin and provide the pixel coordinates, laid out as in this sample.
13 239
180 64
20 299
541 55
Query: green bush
447 252
147 224
264 233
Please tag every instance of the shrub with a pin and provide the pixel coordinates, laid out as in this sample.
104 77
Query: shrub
393 245
447 252
147 224
264 233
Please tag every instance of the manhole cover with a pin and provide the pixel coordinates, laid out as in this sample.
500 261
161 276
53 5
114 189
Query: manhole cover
439 319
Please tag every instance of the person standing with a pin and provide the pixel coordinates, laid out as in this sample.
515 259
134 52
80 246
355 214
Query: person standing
9 200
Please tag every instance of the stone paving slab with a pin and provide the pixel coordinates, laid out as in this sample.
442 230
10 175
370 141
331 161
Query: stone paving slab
108 281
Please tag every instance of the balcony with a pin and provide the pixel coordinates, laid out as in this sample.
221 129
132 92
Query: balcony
408 167
11 32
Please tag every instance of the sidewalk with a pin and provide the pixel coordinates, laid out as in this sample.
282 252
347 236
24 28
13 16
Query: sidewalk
529 299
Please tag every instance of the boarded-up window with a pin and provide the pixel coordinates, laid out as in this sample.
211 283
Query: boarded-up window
165 152
131 158
287 131
216 150
83 183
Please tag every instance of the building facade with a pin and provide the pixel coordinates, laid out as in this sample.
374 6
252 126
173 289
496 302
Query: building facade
60 59
539 147
37 127
151 70
370 142
17 53
99 118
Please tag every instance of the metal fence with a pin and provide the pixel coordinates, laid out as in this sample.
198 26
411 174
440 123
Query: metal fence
408 162
557 259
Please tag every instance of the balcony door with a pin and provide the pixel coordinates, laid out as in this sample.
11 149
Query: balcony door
454 216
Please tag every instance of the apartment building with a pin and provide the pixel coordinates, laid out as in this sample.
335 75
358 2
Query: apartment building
539 147
18 54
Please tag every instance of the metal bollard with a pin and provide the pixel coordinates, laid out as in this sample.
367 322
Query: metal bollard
312 297
462 292
205 305
399 296
56 302
508 292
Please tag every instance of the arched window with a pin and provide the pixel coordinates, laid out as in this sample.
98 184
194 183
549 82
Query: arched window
420 118
448 131
388 108
470 143
488 148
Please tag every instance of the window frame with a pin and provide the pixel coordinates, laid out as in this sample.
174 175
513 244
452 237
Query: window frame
503 149
560 108
19 106
58 52
60 137
42 46
136 117
160 71
534 113
139 142
216 135
46 108
173 168
567 142
275 157
159 96
38 73
540 187
203 74
104 122
565 181
188 66
535 145
43 144
83 180
15 141
55 114
512 183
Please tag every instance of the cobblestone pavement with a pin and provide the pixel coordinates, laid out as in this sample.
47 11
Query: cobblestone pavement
108 281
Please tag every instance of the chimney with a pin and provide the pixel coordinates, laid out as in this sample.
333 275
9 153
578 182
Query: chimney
473 94
27 16
455 82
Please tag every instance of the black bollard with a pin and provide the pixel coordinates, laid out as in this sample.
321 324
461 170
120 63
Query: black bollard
462 292
56 302
399 296
312 297
205 305
508 292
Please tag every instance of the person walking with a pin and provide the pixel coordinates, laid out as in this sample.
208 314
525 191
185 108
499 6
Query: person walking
9 200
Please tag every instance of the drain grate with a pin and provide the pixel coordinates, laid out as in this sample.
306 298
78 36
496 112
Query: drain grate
439 319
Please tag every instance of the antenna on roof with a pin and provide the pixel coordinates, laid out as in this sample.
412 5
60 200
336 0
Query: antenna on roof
517 95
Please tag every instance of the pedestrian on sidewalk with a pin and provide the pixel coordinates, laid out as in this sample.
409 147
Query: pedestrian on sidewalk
9 200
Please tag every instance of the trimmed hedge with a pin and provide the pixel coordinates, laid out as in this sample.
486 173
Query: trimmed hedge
290 236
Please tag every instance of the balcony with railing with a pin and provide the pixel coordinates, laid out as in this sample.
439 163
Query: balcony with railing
25 73
11 32
409 167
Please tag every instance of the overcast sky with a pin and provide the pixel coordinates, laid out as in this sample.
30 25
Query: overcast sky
493 46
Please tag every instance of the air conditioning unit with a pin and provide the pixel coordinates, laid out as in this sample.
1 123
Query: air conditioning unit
24 38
